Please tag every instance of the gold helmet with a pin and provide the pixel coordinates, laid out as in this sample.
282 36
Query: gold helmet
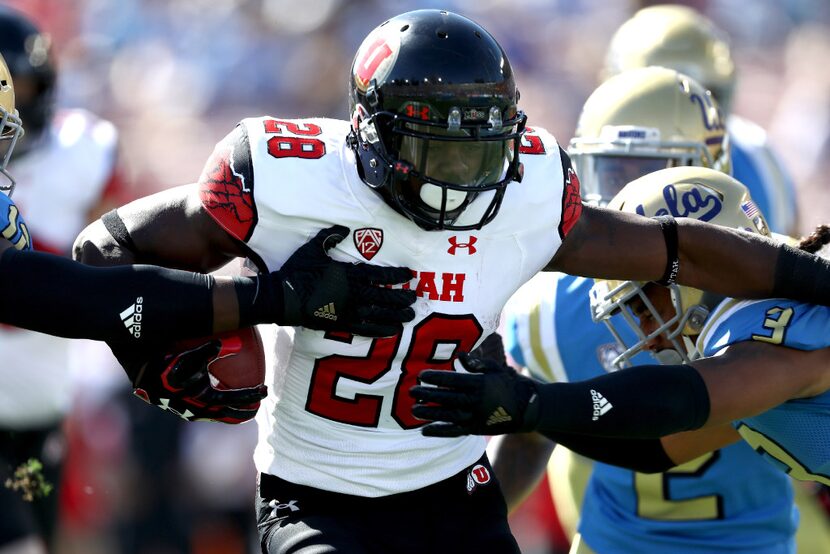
11 128
677 37
695 192
641 121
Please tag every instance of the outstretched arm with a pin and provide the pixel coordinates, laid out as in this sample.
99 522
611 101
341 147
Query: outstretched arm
612 244
141 304
642 402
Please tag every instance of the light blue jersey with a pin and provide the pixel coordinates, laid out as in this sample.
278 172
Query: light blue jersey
12 226
758 168
698 507
795 436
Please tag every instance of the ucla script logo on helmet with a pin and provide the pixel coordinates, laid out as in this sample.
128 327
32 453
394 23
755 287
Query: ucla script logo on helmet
697 202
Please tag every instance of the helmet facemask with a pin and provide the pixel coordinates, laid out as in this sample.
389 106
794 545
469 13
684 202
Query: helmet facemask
605 167
437 170
632 300
11 128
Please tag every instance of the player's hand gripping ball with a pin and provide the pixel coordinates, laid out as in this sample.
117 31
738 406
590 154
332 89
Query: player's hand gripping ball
217 378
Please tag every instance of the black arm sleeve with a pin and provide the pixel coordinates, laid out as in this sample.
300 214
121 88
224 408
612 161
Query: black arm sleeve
640 402
801 276
135 304
642 455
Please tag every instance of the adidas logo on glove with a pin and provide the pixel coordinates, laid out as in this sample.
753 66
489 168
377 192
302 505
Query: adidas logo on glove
326 312
601 405
499 415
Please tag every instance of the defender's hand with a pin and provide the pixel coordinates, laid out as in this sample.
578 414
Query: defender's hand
180 383
490 400
321 293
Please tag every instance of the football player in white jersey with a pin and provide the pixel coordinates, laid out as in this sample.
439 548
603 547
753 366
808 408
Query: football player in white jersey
51 294
426 174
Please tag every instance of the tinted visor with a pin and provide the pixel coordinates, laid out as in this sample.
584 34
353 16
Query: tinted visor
456 157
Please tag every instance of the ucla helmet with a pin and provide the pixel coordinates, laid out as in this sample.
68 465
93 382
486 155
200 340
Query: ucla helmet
677 37
696 192
643 120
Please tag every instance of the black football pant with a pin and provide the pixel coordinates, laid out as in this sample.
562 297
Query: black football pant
463 514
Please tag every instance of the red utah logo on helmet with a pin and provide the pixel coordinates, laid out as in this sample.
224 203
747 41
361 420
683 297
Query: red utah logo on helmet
375 59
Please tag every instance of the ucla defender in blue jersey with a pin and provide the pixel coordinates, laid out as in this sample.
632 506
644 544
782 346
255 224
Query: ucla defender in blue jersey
681 38
636 122
739 388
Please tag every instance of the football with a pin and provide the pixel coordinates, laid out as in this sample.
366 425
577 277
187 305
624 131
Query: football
241 360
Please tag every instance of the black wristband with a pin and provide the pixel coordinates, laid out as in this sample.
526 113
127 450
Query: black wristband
641 402
259 300
668 226
801 276
115 226
642 455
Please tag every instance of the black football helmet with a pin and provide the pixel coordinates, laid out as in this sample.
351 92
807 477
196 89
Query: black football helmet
434 117
28 54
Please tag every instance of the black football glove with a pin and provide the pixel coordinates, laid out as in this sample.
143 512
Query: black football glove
490 400
314 291
181 383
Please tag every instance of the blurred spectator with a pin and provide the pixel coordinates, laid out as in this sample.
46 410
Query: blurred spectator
66 171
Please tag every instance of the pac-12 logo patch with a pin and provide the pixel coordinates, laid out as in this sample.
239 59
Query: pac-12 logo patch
479 475
368 241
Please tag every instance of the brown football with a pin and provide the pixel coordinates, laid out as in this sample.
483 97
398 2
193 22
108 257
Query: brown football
241 361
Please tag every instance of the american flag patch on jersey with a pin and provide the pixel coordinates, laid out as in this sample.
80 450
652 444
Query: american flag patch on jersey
750 209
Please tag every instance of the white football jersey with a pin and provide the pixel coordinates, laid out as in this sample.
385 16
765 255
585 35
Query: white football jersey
338 414
59 180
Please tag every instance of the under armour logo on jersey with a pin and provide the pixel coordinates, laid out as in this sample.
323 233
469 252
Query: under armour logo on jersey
326 312
601 405
368 241
499 415
468 246
132 317
276 506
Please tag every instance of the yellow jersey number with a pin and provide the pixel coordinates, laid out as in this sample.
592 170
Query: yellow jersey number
776 321
653 501
16 231
764 445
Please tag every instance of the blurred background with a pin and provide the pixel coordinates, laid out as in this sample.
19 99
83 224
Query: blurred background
174 76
